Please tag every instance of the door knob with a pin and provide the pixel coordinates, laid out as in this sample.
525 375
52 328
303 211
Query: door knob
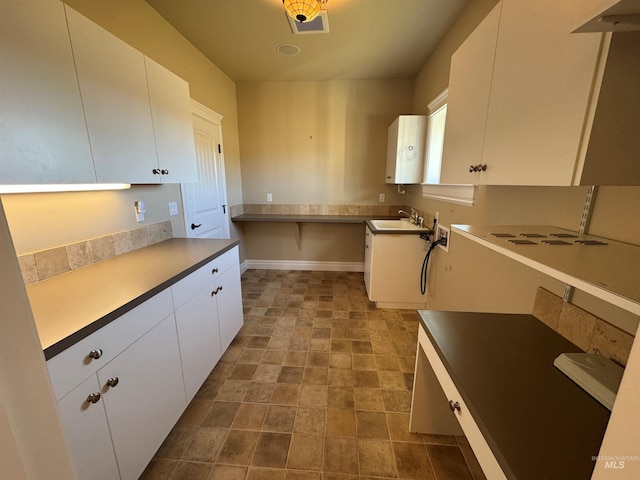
93 398
95 354
113 381
194 226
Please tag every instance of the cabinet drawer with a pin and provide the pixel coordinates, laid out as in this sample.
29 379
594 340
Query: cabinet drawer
71 367
189 286
485 456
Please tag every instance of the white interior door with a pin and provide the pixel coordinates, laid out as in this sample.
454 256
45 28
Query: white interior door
205 203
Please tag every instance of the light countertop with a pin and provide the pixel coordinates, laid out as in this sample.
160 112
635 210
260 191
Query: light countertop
71 306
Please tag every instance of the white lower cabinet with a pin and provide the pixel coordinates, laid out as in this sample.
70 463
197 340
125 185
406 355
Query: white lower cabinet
87 432
121 390
208 320
126 410
199 335
147 398
393 264
229 301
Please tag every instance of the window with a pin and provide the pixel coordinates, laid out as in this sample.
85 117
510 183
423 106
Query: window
435 137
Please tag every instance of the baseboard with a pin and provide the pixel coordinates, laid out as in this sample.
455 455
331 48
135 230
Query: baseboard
303 265
403 305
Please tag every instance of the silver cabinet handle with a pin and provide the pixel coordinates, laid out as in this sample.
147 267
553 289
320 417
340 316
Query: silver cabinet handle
215 292
95 354
454 405
93 398
164 171
113 381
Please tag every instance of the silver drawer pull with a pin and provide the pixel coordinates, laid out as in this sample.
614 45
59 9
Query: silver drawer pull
215 292
113 381
93 398
95 354
454 405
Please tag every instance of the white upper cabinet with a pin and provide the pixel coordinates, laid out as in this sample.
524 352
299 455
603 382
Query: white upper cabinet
468 101
533 126
540 93
114 91
405 149
43 138
173 128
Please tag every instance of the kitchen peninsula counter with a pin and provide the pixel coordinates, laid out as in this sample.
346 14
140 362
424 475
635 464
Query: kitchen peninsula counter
536 422
71 306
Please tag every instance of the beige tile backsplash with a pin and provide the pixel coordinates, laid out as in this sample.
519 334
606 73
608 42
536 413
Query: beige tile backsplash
590 333
48 263
312 209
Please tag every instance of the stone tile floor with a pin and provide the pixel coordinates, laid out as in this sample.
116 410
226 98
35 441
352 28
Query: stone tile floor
317 386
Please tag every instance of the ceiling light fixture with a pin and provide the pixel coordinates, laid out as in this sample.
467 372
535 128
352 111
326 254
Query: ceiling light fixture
303 10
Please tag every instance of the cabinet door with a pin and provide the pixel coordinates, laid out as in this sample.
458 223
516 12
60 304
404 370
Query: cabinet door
172 126
87 433
540 92
468 101
199 337
229 299
148 399
114 91
396 264
367 260
44 137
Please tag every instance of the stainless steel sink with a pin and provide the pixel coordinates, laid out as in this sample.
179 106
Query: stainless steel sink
400 224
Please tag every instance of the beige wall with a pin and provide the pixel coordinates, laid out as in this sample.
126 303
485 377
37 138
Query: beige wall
39 221
318 142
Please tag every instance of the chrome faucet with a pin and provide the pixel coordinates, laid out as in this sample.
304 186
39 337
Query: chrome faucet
402 212
414 217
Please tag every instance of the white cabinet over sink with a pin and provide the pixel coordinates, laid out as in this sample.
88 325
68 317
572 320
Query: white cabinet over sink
522 97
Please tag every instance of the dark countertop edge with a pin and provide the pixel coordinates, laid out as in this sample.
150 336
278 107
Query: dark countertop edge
96 325
495 449
273 217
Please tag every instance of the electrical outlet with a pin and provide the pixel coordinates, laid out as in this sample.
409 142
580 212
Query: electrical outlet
381 198
443 234
269 198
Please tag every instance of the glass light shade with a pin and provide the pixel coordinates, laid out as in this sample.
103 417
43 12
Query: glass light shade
303 10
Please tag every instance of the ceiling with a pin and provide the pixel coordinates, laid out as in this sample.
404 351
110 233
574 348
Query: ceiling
368 39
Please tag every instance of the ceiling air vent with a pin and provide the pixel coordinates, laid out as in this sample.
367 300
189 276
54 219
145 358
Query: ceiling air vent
320 24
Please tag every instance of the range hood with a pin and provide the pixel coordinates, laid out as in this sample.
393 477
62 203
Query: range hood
623 16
